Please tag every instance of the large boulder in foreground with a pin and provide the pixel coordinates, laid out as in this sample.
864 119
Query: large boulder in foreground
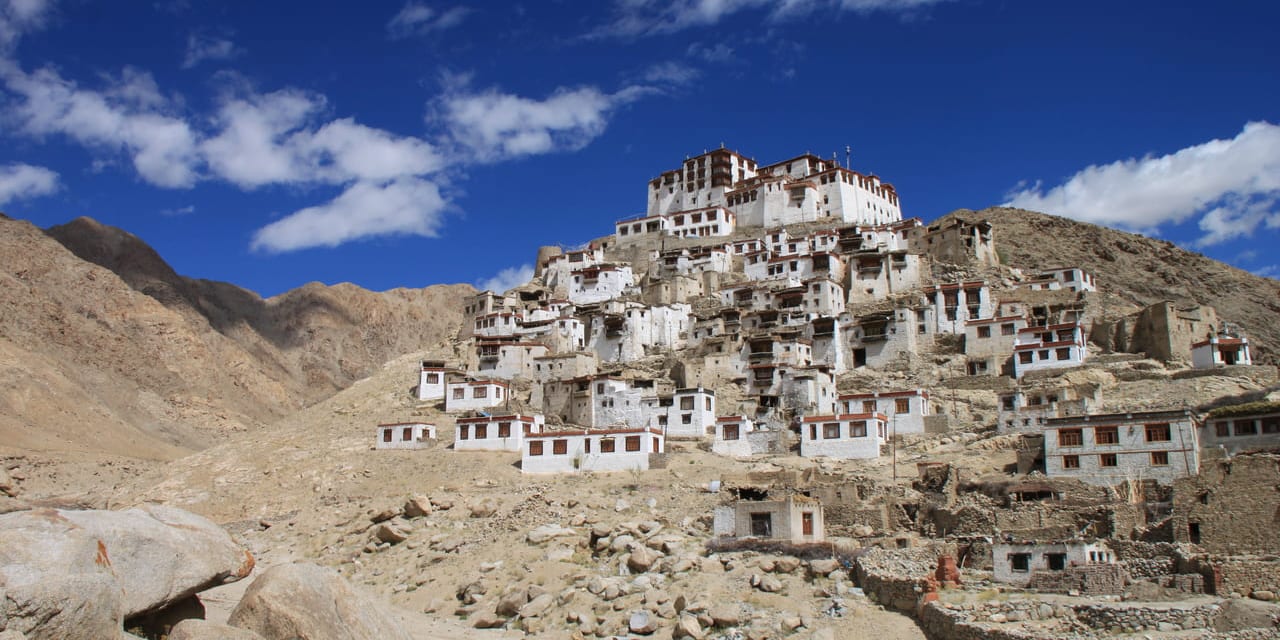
309 602
161 555
56 581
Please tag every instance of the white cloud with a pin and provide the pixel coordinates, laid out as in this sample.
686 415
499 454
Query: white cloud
129 117
1234 183
405 206
636 18
717 53
492 125
671 73
18 17
204 46
416 19
508 278
179 211
19 180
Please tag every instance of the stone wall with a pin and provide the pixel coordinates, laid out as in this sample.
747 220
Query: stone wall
1090 580
1231 507
1247 575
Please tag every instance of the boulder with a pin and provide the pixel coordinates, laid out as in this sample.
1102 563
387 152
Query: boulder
1239 614
390 533
484 509
509 604
205 630
823 566
687 627
417 507
725 615
383 516
547 532
642 622
7 486
537 606
642 558
309 602
161 555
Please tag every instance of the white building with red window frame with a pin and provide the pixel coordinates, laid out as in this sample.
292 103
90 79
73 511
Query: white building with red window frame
849 436
1221 351
687 413
954 304
1249 427
432 379
474 395
905 410
1056 346
405 435
742 437
1107 449
602 450
495 433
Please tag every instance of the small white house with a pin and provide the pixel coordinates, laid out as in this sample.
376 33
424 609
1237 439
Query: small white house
689 413
599 283
1220 351
854 436
742 437
495 433
1057 346
590 450
905 410
405 435
472 395
431 380
1014 563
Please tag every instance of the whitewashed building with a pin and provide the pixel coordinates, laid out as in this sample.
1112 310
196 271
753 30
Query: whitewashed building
1221 351
474 395
875 276
1242 428
495 433
1108 449
508 360
590 450
1062 279
599 283
1015 562
988 344
955 304
1056 346
796 518
557 269
639 328
405 435
1028 409
742 437
850 436
688 413
432 380
905 410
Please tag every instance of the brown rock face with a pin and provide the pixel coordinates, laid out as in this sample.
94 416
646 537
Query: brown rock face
308 602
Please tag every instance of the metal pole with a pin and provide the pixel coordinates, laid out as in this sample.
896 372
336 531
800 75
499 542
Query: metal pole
893 446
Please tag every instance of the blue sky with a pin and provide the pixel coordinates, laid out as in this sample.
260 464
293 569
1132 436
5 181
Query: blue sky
406 144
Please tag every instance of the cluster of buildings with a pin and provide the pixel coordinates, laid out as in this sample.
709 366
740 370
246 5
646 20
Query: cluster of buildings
773 280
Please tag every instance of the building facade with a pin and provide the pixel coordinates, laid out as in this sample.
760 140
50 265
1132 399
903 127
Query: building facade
1108 449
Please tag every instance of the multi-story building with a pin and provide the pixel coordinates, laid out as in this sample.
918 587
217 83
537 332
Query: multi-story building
1056 346
905 410
1108 449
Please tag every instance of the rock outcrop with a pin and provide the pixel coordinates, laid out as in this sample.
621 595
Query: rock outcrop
309 602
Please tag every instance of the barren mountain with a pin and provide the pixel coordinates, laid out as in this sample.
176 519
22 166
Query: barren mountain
106 349
1139 270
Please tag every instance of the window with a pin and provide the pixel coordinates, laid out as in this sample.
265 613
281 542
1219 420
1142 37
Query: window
1057 561
433 378
480 392
482 431
1271 425
806 523
586 445
504 429
762 525
459 393
1006 329
1070 437
386 435
868 406
902 405
1245 427
858 429
984 332
1193 532
686 418
559 447
1024 357
1007 402
406 434
1107 460
1106 435
608 445
1020 562
813 432
1159 458
1221 429
731 432
707 403
831 430
535 447
1070 462
633 443
1158 433
464 432
1063 353
686 403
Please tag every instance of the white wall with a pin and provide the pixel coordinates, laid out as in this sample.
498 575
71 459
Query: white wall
814 440
418 436
467 438
474 396
431 383
577 457
909 421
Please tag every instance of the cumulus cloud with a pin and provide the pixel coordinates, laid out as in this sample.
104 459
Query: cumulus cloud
637 18
417 19
405 206
491 125
204 46
1233 185
508 278
19 181
130 116
18 17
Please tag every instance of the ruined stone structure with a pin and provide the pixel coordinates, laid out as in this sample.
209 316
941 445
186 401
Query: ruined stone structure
1231 506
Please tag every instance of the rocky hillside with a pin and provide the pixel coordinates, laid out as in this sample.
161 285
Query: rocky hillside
105 348
1139 270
